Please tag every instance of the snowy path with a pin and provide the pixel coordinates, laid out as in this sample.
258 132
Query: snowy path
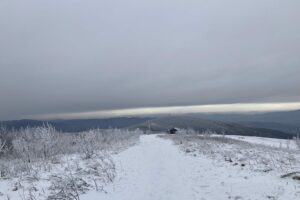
156 169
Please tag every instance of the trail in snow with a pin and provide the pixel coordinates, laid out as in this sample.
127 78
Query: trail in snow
156 169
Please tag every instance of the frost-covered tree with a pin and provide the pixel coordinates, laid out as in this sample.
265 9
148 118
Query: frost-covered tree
2 146
297 141
3 142
88 143
36 143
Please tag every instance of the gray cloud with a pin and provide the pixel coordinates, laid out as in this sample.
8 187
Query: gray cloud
78 56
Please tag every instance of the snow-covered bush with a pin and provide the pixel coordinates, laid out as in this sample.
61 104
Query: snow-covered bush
45 153
44 143
32 144
68 187
238 153
2 146
79 177
297 141
35 148
116 139
186 132
5 165
4 143
88 143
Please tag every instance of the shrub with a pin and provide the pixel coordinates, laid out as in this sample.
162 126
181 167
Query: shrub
32 144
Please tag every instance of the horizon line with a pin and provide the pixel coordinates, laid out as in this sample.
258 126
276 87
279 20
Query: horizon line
242 108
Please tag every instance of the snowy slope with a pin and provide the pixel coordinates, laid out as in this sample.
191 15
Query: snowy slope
273 142
156 169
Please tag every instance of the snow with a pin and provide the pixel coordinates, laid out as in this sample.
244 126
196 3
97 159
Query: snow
273 142
157 169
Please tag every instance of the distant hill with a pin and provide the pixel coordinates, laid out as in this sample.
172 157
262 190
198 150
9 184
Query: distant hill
288 128
276 124
198 124
284 117
287 121
78 124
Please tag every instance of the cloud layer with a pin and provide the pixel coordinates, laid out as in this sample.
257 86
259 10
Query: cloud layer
78 56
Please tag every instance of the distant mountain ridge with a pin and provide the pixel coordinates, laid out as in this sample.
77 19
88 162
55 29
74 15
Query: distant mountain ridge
276 124
288 128
198 124
286 121
284 117
77 125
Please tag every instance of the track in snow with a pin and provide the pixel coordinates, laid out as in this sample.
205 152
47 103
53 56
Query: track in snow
156 169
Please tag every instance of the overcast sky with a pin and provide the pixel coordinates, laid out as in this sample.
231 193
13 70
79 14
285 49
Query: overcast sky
73 56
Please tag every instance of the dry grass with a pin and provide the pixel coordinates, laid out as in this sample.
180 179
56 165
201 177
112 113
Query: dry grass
238 153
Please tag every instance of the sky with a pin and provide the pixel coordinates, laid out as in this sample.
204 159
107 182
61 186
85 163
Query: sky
77 58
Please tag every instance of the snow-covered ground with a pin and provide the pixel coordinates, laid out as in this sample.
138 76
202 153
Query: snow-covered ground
273 142
157 169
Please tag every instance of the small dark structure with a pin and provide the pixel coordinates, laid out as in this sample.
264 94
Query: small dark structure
173 130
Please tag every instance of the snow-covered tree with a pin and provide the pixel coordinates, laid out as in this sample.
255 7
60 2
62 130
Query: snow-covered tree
2 145
88 143
34 143
297 141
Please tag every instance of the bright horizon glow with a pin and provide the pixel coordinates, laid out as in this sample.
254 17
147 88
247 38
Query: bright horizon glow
218 108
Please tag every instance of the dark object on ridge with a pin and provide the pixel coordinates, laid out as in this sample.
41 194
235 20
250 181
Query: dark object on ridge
173 130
